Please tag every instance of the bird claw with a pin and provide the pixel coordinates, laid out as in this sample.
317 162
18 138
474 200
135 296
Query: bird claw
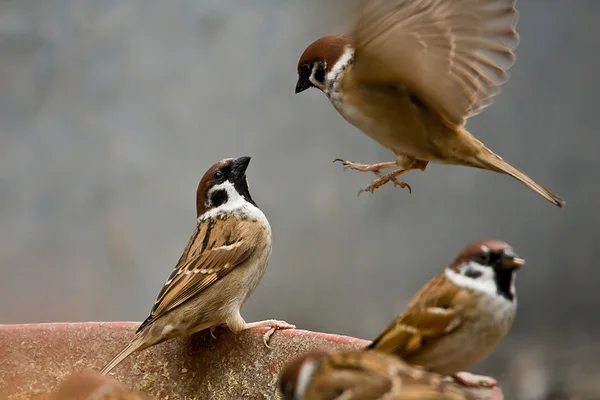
272 324
275 326
382 180
350 165
212 332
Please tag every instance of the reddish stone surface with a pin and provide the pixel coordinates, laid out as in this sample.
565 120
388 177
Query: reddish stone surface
35 358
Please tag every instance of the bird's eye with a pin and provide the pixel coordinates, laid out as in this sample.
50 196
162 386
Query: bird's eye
218 175
484 259
305 69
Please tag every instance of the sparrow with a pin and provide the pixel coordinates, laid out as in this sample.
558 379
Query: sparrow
458 317
92 386
362 375
410 75
224 261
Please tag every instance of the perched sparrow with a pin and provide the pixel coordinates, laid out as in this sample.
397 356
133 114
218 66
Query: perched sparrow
91 386
411 74
362 375
221 266
459 317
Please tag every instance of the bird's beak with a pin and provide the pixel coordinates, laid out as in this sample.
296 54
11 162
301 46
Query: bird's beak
302 84
239 166
512 260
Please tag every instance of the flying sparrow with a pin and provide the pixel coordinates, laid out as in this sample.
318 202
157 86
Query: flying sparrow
458 317
411 74
365 375
221 266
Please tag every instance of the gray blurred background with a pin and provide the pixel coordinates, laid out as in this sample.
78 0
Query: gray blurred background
110 112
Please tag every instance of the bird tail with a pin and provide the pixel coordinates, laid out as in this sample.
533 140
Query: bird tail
487 159
135 344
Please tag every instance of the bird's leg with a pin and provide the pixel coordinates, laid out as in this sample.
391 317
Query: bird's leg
237 324
405 163
392 176
385 178
273 324
475 381
375 168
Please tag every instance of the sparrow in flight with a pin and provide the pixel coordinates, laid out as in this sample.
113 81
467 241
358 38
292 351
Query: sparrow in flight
410 75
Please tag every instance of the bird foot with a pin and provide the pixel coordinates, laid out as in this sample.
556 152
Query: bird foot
273 324
383 179
474 381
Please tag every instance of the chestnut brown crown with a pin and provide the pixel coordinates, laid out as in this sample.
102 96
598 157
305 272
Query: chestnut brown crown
318 59
484 251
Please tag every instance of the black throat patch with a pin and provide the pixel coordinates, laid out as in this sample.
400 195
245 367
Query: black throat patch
241 187
503 278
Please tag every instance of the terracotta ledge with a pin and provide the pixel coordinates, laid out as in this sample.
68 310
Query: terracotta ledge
34 358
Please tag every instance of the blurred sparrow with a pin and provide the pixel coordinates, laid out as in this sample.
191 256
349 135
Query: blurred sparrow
459 317
221 266
366 375
412 73
92 386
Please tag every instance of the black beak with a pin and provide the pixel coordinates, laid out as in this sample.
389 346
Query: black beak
510 260
302 84
239 166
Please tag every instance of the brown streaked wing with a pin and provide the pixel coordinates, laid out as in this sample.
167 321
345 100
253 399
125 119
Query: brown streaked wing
452 55
376 375
217 246
433 312
358 375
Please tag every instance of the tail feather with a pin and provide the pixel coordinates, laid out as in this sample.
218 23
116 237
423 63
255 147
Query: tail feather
493 162
135 344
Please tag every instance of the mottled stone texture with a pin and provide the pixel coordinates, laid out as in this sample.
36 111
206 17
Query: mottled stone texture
35 358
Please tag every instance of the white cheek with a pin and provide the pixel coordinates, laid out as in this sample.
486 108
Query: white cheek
235 203
485 283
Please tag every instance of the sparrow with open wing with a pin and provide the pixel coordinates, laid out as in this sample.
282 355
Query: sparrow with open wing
219 269
410 75
460 316
367 375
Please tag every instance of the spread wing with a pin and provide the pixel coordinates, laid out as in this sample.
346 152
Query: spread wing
451 54
434 312
376 375
217 246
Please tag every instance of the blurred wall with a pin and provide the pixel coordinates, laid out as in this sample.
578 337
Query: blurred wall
110 112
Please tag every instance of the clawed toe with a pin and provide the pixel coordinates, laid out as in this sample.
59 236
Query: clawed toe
377 183
270 332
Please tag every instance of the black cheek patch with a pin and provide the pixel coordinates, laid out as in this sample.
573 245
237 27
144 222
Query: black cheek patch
218 197
472 273
320 74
